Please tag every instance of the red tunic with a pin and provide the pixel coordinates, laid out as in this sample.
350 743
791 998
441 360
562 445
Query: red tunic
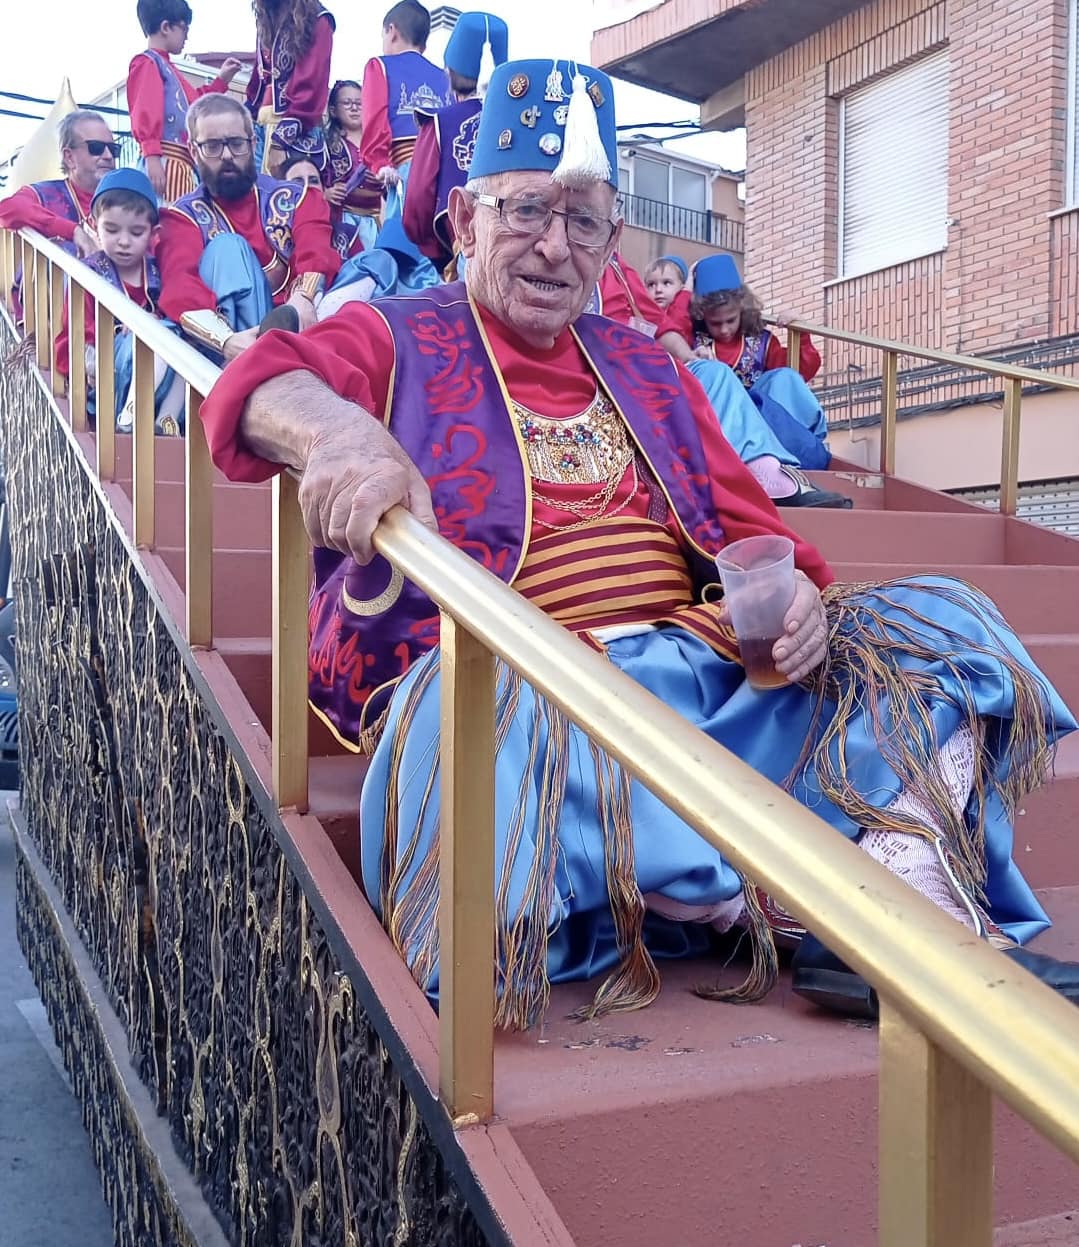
180 248
308 90
352 352
624 296
377 141
421 195
146 101
678 320
24 210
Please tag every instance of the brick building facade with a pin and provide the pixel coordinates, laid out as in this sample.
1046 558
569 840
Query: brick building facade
1005 271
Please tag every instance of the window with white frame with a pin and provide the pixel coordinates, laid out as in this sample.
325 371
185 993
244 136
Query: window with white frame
893 168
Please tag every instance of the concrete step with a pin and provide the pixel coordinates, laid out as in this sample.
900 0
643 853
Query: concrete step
901 536
766 1113
242 589
334 794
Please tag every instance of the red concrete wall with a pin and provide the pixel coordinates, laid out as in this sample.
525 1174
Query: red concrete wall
1009 272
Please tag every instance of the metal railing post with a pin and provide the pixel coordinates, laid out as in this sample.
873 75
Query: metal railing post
199 519
142 449
76 356
56 324
794 347
466 876
42 336
936 1144
1009 451
290 640
105 393
888 407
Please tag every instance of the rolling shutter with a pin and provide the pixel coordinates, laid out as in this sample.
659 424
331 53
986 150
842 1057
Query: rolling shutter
893 171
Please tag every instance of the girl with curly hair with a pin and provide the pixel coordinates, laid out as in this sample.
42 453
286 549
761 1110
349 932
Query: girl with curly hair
290 84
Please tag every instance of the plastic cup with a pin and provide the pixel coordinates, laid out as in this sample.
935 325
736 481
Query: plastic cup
758 586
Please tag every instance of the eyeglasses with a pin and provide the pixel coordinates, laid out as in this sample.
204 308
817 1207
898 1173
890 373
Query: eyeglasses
96 147
216 148
529 216
349 103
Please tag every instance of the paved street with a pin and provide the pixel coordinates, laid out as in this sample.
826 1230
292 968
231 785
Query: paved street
49 1189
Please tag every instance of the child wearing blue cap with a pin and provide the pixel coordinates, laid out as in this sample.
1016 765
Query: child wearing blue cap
666 281
124 209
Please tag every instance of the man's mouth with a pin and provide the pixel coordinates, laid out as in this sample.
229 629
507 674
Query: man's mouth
546 285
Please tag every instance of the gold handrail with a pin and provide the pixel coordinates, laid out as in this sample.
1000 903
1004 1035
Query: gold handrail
1013 375
959 1021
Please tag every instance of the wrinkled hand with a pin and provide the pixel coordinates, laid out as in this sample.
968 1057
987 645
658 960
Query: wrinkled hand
305 309
155 171
238 343
355 472
388 176
230 67
805 645
86 242
335 194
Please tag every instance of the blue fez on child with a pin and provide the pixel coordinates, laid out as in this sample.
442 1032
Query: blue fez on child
715 272
133 180
464 51
527 122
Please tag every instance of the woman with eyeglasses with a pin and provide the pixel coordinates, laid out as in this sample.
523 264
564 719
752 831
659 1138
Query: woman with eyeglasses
290 84
60 208
352 191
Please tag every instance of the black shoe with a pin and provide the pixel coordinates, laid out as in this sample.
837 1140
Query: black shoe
807 495
819 976
283 317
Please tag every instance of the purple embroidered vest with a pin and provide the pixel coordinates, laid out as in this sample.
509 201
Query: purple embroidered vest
750 364
175 100
59 199
277 202
275 65
456 127
446 409
102 265
412 83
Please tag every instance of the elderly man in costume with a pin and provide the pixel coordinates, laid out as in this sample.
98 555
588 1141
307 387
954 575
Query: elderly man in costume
61 208
573 458
242 243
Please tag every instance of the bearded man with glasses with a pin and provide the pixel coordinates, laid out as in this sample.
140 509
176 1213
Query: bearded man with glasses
241 244
60 209
572 457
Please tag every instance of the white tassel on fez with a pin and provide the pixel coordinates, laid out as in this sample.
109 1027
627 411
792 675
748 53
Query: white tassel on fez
584 158
487 62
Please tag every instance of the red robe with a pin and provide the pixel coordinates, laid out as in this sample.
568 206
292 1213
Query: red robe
421 197
352 352
145 100
308 90
24 210
179 250
624 296
678 320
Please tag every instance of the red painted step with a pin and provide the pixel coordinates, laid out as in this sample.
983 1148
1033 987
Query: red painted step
698 1123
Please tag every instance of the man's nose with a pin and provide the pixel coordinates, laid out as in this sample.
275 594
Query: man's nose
554 241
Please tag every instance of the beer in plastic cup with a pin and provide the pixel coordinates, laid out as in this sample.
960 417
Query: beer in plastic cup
758 586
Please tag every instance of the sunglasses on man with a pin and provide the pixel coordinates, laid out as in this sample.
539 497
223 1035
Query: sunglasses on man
96 147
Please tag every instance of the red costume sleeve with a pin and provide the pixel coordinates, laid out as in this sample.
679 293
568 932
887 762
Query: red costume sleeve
146 103
352 352
218 87
421 194
309 87
24 210
677 318
744 509
179 250
313 239
377 140
808 357
625 296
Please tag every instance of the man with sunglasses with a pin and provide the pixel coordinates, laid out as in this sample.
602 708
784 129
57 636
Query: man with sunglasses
60 209
580 464
242 243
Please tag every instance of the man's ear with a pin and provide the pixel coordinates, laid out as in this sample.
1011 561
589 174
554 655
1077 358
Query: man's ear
462 208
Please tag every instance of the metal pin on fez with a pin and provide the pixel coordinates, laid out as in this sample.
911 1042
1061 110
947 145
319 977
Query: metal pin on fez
560 114
595 92
550 144
517 87
555 92
530 116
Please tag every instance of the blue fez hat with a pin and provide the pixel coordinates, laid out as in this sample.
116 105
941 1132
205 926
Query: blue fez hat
715 272
551 116
133 180
675 261
473 34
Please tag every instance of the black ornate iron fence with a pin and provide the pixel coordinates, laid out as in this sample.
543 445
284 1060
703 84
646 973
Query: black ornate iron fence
711 228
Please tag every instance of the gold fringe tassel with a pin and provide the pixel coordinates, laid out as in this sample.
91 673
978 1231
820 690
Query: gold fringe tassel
764 965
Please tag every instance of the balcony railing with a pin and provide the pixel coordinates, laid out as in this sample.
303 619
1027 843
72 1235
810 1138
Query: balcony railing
711 228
